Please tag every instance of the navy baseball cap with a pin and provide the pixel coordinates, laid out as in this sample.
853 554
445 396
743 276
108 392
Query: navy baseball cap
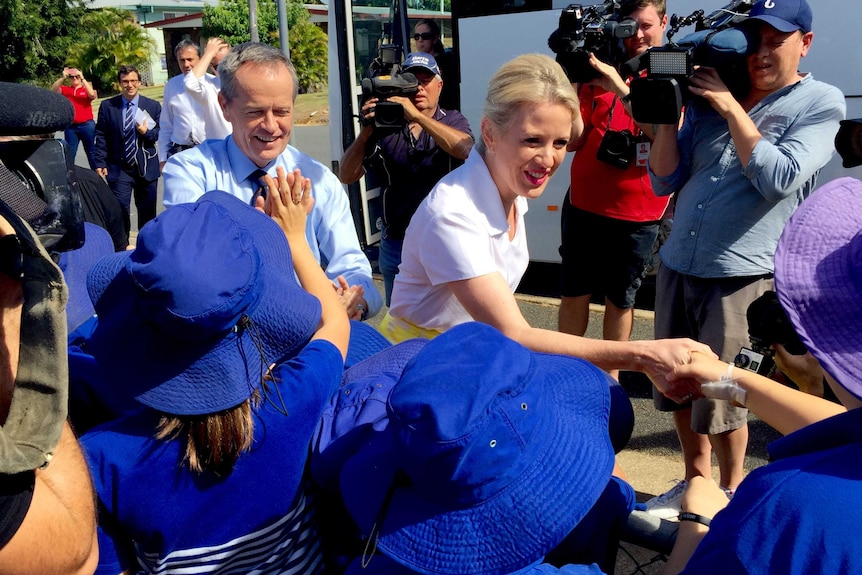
421 60
783 15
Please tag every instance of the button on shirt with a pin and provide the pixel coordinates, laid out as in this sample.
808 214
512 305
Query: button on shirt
182 118
727 218
221 165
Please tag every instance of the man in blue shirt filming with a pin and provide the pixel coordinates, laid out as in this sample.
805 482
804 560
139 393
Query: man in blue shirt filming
740 167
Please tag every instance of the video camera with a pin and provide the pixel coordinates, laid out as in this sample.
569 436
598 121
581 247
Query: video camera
385 80
768 325
584 29
37 179
718 42
848 143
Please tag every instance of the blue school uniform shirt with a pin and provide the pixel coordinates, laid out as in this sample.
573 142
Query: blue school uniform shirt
158 517
802 513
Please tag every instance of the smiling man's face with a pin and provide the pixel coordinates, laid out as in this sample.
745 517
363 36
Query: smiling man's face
262 111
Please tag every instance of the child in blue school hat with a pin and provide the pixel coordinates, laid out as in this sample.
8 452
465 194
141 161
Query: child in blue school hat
232 362
488 455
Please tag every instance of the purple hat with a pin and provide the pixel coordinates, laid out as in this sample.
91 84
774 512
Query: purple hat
491 455
818 278
191 319
421 60
783 15
75 265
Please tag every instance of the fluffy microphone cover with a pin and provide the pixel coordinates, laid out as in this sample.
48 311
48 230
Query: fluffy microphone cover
28 110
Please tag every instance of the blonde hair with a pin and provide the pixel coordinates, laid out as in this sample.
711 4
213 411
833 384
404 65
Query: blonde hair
527 79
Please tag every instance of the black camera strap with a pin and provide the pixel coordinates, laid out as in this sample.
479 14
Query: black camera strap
611 118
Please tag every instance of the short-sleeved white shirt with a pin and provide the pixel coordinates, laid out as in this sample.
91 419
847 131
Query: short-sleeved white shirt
459 232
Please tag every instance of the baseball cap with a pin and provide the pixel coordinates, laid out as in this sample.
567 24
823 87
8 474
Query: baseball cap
421 60
783 15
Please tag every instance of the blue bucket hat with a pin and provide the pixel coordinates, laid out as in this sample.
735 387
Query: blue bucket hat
191 319
491 455
357 411
783 15
75 265
365 341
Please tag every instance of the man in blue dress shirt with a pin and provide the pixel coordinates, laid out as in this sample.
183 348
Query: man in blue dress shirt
258 90
740 165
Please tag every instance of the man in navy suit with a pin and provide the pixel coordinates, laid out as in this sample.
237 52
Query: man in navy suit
126 153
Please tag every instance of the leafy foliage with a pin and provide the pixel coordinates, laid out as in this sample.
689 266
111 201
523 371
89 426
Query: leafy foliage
35 36
229 20
107 39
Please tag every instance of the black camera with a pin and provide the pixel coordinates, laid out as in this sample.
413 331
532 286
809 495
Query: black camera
385 80
617 148
37 182
848 143
768 325
584 29
718 42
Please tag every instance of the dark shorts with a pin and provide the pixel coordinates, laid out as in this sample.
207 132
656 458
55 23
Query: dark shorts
711 311
604 256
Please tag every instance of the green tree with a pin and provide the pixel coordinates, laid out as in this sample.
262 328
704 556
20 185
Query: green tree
107 39
35 36
229 20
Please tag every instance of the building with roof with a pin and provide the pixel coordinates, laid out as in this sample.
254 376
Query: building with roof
169 21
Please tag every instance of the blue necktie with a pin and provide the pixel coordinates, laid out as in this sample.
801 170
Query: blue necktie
257 184
129 143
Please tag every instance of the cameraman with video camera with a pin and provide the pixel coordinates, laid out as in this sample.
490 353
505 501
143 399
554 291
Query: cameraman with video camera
47 511
429 144
612 220
740 166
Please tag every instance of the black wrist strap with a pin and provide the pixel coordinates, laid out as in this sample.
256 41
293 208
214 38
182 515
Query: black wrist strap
686 516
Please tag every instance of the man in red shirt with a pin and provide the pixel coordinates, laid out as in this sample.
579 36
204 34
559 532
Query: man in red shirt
83 128
612 220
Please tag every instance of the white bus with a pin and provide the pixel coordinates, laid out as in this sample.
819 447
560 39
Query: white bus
484 34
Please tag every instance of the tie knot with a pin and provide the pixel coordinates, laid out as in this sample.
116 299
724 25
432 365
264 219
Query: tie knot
257 185
255 177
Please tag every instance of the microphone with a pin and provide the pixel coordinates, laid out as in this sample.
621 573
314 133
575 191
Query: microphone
28 110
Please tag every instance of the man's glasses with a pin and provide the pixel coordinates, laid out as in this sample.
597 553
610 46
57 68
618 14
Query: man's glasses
423 36
128 82
74 76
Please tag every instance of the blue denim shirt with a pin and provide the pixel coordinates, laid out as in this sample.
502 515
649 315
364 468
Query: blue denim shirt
728 219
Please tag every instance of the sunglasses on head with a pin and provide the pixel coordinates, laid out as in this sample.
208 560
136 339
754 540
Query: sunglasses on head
423 36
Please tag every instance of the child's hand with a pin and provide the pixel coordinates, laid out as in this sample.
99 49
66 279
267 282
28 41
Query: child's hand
288 202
